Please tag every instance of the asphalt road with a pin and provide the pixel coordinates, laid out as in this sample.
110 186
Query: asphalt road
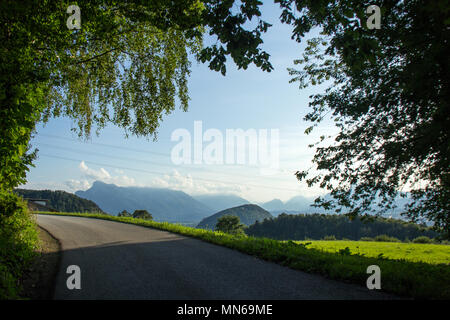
123 261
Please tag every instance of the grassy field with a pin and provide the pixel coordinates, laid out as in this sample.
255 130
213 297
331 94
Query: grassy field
402 277
414 252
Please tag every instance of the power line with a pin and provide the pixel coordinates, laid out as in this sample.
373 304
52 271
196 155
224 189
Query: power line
143 161
159 173
125 148
107 145
135 150
101 154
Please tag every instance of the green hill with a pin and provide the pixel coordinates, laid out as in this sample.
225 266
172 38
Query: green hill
60 200
247 213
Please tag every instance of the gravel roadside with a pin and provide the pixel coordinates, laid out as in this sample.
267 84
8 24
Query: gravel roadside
38 282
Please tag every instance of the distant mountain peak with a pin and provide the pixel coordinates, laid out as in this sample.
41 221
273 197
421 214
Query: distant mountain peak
163 204
275 204
220 201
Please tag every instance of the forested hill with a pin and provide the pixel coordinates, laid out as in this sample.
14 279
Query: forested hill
247 213
318 226
60 200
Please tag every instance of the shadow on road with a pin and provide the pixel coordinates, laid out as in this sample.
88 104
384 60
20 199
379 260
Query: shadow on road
184 269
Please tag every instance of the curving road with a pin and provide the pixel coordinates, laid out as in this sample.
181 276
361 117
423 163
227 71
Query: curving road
123 261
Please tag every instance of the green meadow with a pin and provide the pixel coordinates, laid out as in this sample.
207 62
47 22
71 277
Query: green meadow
414 252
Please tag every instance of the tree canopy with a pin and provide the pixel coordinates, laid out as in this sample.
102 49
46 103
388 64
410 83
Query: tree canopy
128 65
320 226
230 224
389 94
142 214
124 213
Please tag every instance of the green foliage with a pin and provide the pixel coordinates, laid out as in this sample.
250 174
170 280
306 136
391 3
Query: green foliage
317 226
142 214
329 237
124 213
248 214
8 283
226 20
18 241
18 116
411 279
388 92
422 239
345 252
230 224
128 65
386 238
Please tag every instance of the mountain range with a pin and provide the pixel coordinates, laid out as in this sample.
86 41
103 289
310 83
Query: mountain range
166 204
297 204
178 206
219 202
302 204
163 204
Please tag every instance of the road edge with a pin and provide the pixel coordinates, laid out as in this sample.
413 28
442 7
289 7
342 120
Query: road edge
39 281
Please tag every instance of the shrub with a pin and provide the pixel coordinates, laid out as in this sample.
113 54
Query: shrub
230 224
18 241
8 288
386 238
124 213
422 239
142 214
345 252
329 238
366 239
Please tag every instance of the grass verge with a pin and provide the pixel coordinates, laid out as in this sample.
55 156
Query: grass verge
38 281
414 252
18 243
405 278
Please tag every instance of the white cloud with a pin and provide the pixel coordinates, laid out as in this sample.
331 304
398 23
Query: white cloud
76 185
90 175
188 184
100 174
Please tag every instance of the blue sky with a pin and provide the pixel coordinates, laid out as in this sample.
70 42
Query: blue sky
243 99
